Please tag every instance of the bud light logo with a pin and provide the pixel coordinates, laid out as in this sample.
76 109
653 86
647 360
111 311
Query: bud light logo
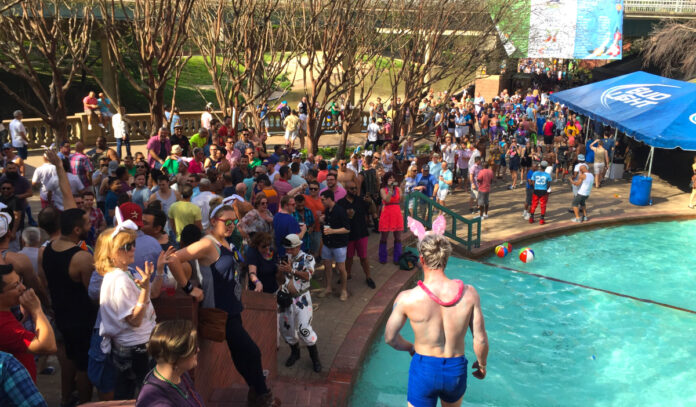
692 118
636 95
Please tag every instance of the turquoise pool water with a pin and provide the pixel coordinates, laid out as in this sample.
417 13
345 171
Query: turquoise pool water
554 344
656 260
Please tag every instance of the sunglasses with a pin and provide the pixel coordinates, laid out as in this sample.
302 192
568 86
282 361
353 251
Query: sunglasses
228 222
6 188
313 189
141 166
263 203
127 247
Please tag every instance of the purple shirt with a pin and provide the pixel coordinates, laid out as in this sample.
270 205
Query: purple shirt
156 145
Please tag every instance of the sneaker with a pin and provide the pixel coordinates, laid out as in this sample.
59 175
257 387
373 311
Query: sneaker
510 187
344 295
691 206
370 283
524 213
527 216
101 125
531 218
485 216
542 221
577 220
585 218
89 127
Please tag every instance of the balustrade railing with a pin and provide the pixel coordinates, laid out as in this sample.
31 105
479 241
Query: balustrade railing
39 133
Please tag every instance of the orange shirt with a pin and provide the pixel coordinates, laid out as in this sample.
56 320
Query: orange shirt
317 208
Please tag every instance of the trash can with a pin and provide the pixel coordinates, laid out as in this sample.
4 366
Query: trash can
640 191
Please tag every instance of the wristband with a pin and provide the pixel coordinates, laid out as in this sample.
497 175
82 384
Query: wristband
188 288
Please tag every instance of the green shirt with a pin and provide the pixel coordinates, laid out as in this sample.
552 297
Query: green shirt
198 141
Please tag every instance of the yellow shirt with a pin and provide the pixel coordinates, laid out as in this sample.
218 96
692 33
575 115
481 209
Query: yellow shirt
291 122
184 213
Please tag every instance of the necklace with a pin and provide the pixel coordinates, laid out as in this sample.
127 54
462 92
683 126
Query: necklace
161 376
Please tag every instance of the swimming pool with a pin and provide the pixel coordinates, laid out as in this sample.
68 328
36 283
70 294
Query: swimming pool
655 260
558 344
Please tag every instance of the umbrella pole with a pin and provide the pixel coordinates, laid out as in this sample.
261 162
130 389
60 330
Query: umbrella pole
611 153
652 155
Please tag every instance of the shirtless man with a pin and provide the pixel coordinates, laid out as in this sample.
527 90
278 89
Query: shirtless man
345 174
440 311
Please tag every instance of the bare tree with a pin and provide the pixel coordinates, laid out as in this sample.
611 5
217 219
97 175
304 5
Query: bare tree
244 49
152 34
45 37
441 42
338 53
672 47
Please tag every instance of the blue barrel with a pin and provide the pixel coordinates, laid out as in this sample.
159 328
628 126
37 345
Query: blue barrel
640 191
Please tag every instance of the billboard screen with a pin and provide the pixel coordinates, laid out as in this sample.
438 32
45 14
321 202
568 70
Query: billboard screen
578 29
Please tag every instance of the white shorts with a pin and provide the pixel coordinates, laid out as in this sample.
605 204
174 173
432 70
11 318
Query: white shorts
290 135
598 168
442 193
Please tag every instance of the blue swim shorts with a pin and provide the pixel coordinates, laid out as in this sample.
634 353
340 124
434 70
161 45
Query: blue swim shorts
430 378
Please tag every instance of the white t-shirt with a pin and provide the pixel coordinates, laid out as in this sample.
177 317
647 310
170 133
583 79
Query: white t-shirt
44 175
202 200
372 130
117 299
448 152
118 125
576 170
586 185
206 117
75 184
472 160
16 129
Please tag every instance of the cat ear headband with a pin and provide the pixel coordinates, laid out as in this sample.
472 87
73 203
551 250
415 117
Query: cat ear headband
418 229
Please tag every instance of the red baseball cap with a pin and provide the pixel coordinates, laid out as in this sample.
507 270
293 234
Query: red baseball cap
133 212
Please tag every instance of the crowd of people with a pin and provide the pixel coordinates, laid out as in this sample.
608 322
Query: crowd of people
220 212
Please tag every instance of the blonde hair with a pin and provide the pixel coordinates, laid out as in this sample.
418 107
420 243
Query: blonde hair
172 341
435 251
412 171
106 246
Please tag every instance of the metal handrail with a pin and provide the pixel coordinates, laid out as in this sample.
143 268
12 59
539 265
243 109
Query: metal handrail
660 6
472 239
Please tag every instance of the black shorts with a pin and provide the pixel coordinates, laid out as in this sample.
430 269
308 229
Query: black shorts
579 201
77 343
530 192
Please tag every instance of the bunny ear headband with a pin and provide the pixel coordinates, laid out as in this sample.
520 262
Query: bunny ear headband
122 225
5 220
418 229
227 201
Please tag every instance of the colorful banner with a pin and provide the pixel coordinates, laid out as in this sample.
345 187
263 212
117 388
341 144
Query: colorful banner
578 29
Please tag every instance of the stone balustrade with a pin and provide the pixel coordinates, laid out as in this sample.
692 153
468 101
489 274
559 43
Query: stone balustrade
39 133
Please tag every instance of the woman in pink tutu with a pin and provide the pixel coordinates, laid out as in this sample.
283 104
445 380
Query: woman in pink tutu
391 219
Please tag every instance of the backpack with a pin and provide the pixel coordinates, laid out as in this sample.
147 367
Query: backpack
408 259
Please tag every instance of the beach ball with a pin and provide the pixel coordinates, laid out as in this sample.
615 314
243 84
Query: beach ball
526 255
503 249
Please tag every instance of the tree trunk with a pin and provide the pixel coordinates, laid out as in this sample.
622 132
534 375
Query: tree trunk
60 130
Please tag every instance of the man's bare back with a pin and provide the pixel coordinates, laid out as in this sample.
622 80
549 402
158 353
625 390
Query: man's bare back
439 331
440 311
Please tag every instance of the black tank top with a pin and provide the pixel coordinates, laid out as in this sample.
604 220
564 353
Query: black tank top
71 304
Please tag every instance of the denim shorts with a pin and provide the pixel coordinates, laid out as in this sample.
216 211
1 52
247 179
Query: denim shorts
337 254
431 378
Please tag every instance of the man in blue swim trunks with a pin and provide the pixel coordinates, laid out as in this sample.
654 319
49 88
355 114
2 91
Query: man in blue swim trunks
440 311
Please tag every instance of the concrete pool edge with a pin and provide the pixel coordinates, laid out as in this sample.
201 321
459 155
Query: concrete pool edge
348 362
561 228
